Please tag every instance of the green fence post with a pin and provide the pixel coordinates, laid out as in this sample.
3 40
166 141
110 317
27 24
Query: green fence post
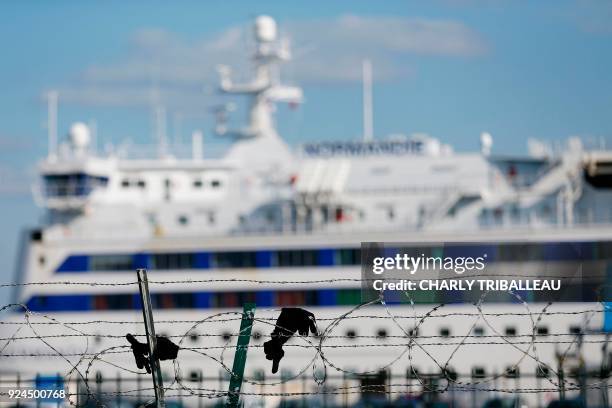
240 356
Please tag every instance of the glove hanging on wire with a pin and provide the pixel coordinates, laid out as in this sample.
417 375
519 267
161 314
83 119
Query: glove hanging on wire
291 319
166 350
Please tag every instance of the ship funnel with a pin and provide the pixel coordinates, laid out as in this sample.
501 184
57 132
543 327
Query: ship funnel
265 29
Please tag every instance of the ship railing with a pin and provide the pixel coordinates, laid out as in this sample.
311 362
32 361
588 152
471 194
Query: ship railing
502 224
177 150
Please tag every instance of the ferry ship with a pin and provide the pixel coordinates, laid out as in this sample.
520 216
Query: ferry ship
283 227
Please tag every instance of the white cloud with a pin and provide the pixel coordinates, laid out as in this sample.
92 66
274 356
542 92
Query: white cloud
340 45
326 51
393 34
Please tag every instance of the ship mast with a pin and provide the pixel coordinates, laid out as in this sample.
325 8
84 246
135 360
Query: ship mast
368 118
265 88
52 97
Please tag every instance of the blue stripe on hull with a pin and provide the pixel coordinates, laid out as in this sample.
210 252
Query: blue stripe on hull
326 257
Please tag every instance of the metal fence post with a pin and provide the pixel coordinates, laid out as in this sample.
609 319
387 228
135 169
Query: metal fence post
18 386
139 388
118 396
604 372
200 386
147 314
560 376
58 378
240 356
304 388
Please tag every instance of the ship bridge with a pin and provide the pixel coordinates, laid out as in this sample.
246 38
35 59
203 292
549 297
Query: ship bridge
598 169
71 175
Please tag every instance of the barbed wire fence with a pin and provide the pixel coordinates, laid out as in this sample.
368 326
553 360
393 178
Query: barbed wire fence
321 366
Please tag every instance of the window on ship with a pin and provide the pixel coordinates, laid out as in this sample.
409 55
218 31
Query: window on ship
72 184
307 257
111 262
349 256
172 261
235 259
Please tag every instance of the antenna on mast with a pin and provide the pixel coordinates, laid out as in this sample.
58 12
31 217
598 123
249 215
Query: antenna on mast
177 124
265 89
368 117
160 130
93 130
159 124
52 97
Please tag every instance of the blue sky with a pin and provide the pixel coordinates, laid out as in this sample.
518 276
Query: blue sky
450 68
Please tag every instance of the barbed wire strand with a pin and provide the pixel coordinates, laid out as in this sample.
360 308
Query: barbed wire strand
321 359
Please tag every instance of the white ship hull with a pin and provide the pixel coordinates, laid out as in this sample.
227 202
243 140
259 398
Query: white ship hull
365 341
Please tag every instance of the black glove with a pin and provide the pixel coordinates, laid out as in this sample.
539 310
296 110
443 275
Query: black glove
291 319
166 350
139 350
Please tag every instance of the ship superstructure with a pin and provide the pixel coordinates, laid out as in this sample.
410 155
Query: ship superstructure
266 212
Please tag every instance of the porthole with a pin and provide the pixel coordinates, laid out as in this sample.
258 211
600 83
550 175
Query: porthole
450 374
478 331
259 375
444 332
542 331
412 373
226 336
510 331
542 371
478 372
286 374
195 375
575 330
351 334
381 334
512 372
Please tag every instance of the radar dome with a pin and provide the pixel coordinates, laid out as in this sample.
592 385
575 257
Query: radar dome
79 135
486 142
265 28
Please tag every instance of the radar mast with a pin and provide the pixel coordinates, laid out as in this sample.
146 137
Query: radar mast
258 145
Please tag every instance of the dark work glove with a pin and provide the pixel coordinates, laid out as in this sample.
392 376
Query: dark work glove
139 350
291 319
166 350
